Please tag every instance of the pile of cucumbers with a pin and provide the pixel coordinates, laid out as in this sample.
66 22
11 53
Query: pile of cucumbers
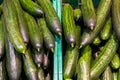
91 37
27 43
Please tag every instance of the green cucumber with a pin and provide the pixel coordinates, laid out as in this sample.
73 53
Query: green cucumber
41 75
13 61
36 36
48 37
105 33
51 16
102 13
68 25
77 13
118 74
89 15
2 39
84 64
115 75
3 73
29 67
115 62
11 21
97 41
21 21
104 58
116 16
31 7
107 74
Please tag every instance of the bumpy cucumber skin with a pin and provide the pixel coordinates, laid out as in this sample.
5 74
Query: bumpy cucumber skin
104 58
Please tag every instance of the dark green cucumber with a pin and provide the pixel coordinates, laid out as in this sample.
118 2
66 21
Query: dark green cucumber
104 58
77 14
115 75
116 16
48 37
36 38
89 15
115 62
105 33
3 73
2 39
31 7
97 41
21 21
51 16
107 74
68 24
84 64
29 67
71 57
11 21
46 61
13 61
41 75
102 13
38 57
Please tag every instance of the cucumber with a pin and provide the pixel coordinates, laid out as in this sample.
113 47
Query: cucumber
97 41
38 57
2 39
11 21
84 64
13 61
105 33
3 73
77 13
115 62
102 13
0 9
118 74
48 37
115 75
21 21
116 16
46 61
35 34
107 74
31 7
89 15
68 25
51 16
29 67
41 75
104 58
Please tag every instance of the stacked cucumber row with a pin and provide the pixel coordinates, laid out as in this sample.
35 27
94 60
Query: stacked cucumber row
91 37
27 43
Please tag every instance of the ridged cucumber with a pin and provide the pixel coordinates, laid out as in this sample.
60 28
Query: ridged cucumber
84 64
115 62
31 7
104 58
89 15
51 16
68 25
48 37
102 13
36 38
106 32
21 21
11 21
29 67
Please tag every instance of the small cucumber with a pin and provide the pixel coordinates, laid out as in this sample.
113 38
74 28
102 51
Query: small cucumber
115 62
29 67
51 16
105 33
68 25
89 15
107 74
104 58
48 37
31 7
36 36
77 13
84 64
